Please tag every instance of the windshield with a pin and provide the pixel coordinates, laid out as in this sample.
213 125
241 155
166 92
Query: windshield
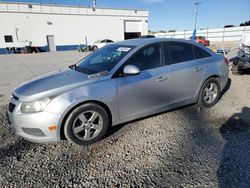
103 59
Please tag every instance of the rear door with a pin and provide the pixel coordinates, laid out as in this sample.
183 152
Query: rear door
148 91
186 71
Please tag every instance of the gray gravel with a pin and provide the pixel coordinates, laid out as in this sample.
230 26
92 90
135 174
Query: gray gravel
180 148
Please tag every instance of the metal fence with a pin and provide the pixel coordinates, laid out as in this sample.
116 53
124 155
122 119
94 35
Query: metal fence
216 35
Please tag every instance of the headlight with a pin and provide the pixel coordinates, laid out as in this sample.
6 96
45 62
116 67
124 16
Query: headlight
35 106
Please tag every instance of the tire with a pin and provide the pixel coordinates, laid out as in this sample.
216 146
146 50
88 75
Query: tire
208 97
235 70
86 124
95 48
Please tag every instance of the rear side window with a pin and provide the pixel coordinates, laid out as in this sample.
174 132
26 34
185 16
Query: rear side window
200 53
180 52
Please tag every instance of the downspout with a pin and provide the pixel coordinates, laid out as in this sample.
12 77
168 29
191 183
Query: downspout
17 37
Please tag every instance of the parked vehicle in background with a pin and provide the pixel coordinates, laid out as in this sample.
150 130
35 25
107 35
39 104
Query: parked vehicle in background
242 61
147 36
100 43
201 40
120 82
84 48
228 26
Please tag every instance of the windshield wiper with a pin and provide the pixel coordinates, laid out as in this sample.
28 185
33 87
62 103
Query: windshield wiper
82 69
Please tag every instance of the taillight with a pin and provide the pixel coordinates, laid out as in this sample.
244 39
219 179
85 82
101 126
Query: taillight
226 61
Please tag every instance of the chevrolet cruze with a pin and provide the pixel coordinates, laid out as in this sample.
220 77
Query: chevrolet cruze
118 83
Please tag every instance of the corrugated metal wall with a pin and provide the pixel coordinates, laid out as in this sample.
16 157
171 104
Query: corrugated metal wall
216 35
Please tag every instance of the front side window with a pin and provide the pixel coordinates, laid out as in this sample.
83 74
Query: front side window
180 52
103 59
147 58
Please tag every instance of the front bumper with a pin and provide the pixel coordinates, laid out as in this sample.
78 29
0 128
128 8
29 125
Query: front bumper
33 126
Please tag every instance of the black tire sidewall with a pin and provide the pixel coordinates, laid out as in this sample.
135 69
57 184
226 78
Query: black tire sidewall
68 131
201 101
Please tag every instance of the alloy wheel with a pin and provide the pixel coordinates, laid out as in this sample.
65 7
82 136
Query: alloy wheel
210 93
87 125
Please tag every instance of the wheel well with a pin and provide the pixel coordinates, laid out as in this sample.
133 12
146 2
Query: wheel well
73 108
213 76
216 77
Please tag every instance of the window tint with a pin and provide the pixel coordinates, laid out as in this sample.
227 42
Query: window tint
200 53
180 51
147 58
8 38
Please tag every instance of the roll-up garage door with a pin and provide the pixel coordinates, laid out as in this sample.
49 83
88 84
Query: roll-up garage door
132 29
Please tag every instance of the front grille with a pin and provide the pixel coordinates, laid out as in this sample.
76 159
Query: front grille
11 107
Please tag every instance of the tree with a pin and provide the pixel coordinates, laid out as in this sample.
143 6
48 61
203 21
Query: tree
247 23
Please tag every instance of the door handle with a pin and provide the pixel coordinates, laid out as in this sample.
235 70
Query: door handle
162 78
196 69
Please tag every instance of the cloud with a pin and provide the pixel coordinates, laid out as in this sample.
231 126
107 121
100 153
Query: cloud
152 1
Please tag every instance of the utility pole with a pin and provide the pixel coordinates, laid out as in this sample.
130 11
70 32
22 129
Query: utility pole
197 4
94 4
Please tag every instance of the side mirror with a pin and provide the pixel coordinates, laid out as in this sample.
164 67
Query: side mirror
130 70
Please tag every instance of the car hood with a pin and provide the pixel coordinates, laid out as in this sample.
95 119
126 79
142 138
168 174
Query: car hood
52 84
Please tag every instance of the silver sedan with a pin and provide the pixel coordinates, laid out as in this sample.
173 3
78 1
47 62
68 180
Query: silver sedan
118 83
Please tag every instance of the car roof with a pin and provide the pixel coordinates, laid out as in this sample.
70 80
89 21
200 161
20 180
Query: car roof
142 42
145 41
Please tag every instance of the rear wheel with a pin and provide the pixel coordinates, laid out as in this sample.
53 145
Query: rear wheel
86 124
210 93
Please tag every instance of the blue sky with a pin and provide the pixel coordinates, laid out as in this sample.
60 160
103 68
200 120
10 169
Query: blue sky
177 14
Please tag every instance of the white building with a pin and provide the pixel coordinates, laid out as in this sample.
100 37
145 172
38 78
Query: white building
65 27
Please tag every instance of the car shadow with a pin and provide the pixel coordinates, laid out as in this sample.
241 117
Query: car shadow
15 149
234 169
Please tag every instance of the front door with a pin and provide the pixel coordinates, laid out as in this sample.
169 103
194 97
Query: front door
142 94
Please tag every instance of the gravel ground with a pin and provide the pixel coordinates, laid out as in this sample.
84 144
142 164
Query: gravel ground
180 148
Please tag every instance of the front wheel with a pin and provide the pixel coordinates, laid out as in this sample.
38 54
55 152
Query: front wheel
210 93
86 124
